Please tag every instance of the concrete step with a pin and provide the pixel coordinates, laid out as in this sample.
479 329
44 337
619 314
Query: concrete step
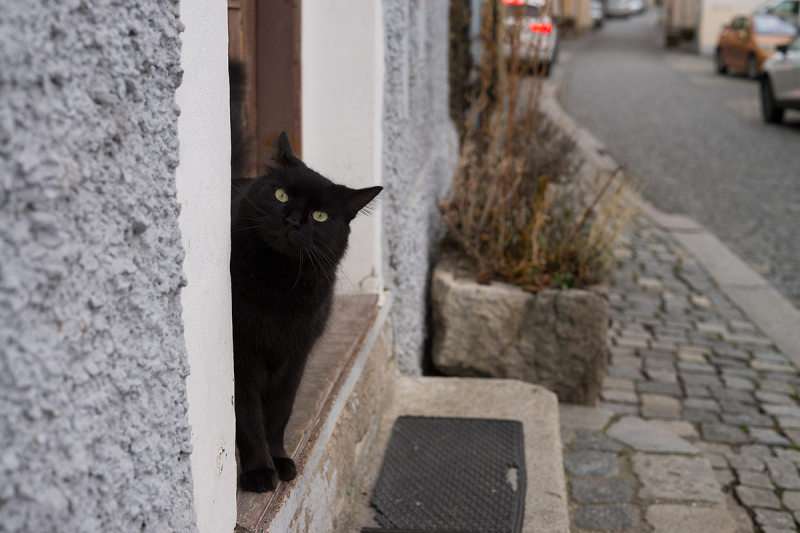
535 406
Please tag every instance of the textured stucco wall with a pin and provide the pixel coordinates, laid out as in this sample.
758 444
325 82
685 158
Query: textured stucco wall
93 425
419 150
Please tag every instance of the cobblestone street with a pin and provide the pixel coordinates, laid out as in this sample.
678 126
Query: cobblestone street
699 409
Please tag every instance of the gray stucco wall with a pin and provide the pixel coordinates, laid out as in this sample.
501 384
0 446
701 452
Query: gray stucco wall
93 426
420 147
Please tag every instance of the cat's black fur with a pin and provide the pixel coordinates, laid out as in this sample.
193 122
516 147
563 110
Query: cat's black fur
283 271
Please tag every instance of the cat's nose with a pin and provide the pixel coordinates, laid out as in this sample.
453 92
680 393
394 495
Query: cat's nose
294 220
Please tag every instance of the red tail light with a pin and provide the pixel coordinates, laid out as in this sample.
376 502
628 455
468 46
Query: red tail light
514 2
541 27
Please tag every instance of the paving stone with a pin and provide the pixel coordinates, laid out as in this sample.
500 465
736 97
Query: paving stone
662 375
788 423
753 497
748 419
660 406
783 473
714 447
618 396
768 436
700 379
658 387
589 440
696 368
601 490
724 477
740 515
767 366
620 408
730 364
631 342
738 383
778 519
788 454
604 517
691 357
791 499
776 386
618 384
692 351
735 407
723 433
711 327
771 356
701 301
677 427
750 340
770 529
694 415
739 372
591 464
668 518
580 417
701 404
774 397
626 360
676 477
645 437
746 463
626 372
697 392
792 411
729 352
756 450
567 435
755 479
794 435
716 460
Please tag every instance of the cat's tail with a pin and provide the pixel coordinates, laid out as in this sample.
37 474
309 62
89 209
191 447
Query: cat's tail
242 149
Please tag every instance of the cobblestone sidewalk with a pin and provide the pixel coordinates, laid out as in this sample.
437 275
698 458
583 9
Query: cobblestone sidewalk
699 424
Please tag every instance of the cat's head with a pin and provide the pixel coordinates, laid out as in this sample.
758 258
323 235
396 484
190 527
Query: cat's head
298 212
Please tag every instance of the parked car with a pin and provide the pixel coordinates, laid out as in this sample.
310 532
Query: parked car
780 84
618 8
788 10
596 12
538 34
749 40
635 6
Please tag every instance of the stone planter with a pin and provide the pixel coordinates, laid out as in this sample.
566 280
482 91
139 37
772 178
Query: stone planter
553 338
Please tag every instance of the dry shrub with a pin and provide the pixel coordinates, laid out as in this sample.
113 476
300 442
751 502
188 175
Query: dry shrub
520 210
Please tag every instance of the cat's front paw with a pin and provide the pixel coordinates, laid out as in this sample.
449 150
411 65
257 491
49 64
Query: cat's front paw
286 468
261 480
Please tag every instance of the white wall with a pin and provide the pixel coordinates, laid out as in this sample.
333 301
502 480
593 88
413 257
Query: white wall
203 181
342 103
714 14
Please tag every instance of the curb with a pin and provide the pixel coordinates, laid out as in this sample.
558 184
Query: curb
764 305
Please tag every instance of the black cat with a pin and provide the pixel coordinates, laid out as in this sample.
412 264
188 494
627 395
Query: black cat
289 231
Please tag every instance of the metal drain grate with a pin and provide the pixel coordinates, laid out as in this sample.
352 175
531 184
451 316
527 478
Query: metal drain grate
454 475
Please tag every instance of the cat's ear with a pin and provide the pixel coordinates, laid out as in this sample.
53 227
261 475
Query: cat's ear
358 199
283 152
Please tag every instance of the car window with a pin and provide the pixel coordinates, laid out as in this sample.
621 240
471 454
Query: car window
773 25
785 8
795 45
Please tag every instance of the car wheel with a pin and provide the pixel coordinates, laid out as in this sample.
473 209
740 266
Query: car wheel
770 110
721 68
752 67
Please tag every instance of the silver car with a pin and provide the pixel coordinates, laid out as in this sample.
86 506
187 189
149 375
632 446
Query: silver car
538 35
780 84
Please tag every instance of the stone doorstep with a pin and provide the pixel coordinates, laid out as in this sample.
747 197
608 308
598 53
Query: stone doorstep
533 405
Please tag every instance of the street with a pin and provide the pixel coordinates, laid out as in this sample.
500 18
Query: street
694 140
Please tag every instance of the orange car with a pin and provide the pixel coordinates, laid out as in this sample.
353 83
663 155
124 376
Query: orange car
750 39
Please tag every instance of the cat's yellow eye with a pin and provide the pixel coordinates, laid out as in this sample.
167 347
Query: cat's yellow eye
319 216
281 195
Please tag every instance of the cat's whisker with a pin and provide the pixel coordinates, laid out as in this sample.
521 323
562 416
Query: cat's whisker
341 270
299 271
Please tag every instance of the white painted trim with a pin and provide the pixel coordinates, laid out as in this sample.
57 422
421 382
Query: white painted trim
342 102
203 182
